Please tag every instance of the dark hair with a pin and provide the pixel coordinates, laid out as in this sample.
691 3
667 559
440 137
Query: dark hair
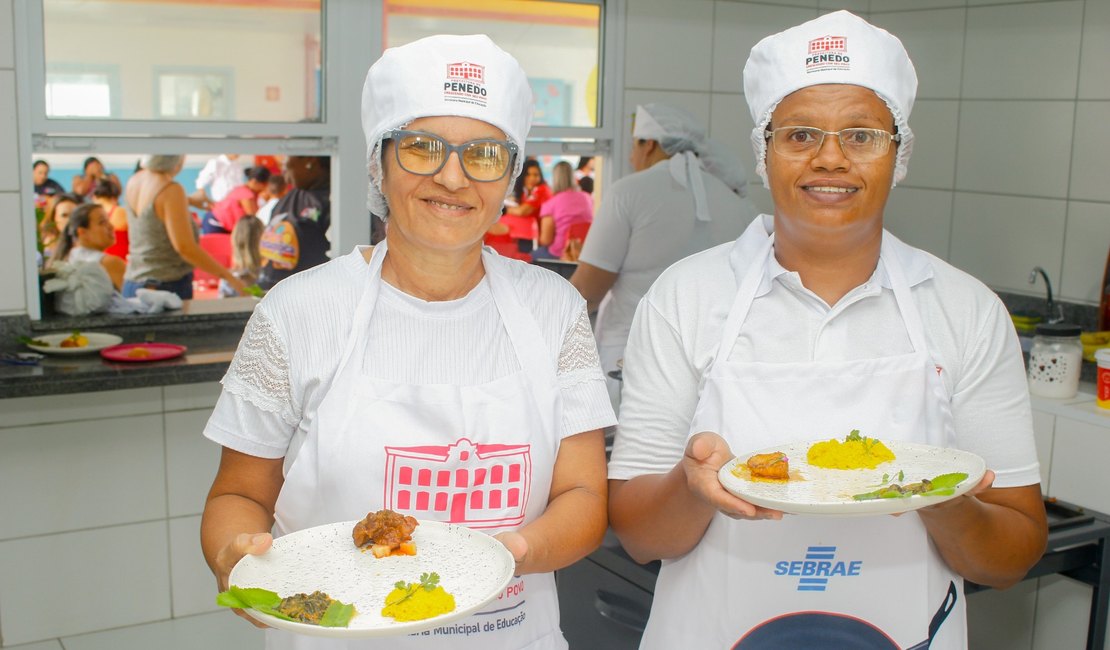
259 173
583 161
79 219
586 184
518 188
106 188
40 162
88 161
276 182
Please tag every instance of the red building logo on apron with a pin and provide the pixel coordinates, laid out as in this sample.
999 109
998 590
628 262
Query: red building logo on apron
481 486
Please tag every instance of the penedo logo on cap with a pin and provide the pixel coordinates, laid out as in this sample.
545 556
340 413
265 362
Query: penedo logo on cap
465 83
827 53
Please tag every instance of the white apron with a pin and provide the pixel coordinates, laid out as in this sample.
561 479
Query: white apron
814 582
479 455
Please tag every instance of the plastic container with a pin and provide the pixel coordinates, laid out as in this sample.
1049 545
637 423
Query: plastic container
1055 361
1102 384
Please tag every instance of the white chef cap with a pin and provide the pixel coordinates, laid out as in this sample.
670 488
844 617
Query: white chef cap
837 48
683 138
466 76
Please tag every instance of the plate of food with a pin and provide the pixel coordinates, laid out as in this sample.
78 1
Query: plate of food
356 579
75 342
854 476
140 352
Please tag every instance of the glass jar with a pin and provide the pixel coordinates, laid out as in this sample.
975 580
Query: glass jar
1055 361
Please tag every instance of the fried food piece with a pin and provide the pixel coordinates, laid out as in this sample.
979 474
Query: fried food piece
386 532
138 353
306 608
774 466
75 340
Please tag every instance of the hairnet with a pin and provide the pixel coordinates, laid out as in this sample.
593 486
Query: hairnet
837 48
677 131
465 76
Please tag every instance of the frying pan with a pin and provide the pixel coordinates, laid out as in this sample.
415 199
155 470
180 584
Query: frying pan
827 630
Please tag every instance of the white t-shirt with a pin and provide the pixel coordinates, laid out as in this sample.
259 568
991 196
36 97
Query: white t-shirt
646 223
292 345
266 211
220 175
677 332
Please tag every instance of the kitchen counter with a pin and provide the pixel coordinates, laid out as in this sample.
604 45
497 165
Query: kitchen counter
210 329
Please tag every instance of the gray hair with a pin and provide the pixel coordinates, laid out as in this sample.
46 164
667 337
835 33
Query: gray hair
163 164
562 178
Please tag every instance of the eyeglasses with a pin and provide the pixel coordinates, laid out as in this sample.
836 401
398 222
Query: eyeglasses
425 154
858 145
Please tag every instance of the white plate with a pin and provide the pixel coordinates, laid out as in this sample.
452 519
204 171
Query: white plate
97 341
472 566
818 491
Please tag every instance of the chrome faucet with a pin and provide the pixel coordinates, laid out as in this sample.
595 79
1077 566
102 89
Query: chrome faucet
1053 313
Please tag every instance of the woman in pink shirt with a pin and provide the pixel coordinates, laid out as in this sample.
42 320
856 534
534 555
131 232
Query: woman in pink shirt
239 202
567 207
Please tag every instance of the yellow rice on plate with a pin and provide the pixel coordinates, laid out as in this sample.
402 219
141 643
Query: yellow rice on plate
854 452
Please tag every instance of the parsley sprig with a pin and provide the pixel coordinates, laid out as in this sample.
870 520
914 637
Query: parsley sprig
428 582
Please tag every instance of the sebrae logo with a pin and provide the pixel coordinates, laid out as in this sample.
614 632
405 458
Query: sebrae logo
465 83
828 53
820 564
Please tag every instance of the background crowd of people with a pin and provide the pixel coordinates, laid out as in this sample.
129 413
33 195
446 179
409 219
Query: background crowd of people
149 233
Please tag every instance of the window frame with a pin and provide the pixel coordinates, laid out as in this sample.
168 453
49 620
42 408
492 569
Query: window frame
351 40
109 71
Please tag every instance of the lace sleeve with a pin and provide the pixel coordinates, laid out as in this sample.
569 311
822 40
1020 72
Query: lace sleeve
578 358
259 371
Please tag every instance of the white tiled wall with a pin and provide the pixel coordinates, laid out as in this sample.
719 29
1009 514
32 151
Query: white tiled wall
1025 82
100 502
1010 119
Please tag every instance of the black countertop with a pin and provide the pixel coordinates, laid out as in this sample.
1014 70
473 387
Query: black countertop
210 329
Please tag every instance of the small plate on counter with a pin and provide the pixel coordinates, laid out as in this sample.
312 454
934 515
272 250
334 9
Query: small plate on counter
143 352
93 342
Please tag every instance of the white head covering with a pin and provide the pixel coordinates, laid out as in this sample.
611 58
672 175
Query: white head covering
683 138
467 76
837 48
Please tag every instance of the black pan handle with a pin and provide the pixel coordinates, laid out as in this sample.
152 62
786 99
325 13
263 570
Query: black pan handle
945 608
621 610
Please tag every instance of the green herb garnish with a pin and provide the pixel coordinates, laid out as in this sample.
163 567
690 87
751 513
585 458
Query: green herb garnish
26 340
428 582
943 485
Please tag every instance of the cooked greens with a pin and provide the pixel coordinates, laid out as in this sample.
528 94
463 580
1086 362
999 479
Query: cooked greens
943 485
337 614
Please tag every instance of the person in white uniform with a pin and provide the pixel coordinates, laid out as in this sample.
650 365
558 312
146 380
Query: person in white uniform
817 321
686 195
426 353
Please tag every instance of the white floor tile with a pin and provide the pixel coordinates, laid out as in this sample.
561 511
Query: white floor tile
1015 147
933 161
191 462
216 631
183 397
921 218
1085 246
739 26
194 587
53 644
999 239
75 475
653 29
935 42
97 580
1009 46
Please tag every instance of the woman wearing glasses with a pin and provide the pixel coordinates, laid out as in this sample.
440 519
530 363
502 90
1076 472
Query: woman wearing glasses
817 321
425 355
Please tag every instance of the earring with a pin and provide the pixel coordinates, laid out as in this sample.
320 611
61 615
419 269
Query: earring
308 165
